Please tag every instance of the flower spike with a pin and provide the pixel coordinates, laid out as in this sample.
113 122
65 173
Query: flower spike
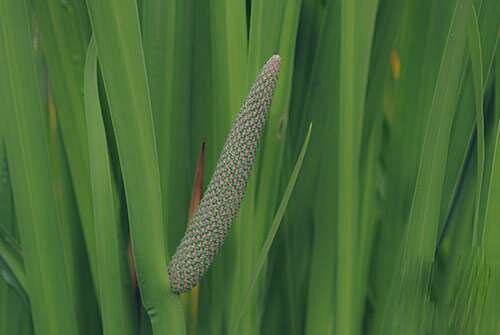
220 204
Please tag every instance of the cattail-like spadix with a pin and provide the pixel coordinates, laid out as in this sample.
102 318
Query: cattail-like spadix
210 224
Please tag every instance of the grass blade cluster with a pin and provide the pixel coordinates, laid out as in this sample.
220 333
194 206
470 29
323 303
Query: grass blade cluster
388 225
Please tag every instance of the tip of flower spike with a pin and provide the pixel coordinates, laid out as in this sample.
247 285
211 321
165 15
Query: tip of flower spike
274 63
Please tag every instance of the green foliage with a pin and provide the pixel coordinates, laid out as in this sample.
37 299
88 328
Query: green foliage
380 219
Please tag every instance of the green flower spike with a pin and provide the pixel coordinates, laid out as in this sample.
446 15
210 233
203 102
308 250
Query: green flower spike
221 202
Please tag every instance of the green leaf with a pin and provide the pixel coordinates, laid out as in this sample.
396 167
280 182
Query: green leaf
116 29
11 257
408 306
474 45
275 225
117 298
28 154
348 151
167 39
64 33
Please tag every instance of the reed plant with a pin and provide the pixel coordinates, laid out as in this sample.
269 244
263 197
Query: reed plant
355 193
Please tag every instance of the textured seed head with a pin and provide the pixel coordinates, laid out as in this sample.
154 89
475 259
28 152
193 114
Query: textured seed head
221 202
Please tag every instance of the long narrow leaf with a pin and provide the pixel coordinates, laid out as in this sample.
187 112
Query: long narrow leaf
261 260
116 30
117 299
28 154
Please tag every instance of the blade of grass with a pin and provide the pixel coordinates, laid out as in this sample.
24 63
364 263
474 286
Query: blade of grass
10 250
347 207
167 38
408 305
64 32
406 58
492 212
76 258
474 46
462 280
321 169
201 96
117 299
12 258
462 293
363 46
14 313
264 253
27 149
490 322
367 144
370 214
460 145
229 54
116 29
489 27
14 281
312 18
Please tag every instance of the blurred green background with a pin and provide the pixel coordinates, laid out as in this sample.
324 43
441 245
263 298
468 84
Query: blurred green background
383 218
